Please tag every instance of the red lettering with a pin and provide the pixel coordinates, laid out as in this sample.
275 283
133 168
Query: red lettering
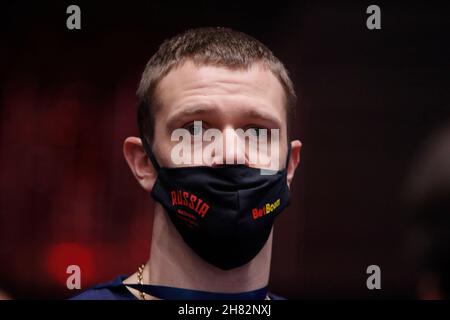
204 210
255 213
185 198
193 199
198 205
179 200
174 197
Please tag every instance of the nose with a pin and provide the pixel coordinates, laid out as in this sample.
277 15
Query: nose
231 150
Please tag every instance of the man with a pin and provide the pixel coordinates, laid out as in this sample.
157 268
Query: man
212 230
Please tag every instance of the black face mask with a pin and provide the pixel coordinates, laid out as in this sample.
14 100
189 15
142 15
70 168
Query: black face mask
225 213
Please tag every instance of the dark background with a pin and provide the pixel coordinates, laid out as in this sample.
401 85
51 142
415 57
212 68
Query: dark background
368 101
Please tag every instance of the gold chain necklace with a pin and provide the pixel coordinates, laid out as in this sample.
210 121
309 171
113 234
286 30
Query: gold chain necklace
141 280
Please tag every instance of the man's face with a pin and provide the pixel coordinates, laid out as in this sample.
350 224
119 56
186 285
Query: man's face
221 98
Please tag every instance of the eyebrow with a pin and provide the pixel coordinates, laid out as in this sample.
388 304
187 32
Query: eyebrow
264 116
201 109
189 111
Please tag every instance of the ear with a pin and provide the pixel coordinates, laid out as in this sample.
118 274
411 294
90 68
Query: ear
139 163
294 160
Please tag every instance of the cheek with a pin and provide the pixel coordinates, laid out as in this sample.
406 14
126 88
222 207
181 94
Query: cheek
162 143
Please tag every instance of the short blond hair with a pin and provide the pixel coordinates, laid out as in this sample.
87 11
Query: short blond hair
206 46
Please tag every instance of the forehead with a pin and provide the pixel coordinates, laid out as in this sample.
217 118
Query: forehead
236 90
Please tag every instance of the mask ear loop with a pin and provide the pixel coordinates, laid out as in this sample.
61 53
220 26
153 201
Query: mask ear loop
288 154
149 153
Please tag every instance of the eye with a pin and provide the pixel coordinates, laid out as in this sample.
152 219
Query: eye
258 131
194 128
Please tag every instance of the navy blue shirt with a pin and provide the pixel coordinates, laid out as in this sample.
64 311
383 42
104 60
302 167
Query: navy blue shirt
115 290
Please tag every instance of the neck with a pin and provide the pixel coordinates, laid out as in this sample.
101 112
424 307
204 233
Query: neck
173 263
